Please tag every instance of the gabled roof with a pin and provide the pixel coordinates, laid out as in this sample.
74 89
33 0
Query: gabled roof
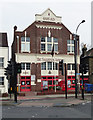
3 40
89 52
46 11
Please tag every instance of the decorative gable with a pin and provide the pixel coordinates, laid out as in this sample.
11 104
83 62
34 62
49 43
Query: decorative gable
48 16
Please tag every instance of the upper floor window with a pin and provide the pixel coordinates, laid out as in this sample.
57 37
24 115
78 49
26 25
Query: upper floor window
1 80
25 66
70 46
71 66
47 44
49 66
25 44
43 66
1 62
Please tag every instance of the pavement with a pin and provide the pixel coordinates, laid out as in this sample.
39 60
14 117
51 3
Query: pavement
58 100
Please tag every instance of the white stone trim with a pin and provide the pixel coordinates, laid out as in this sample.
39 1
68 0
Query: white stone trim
49 26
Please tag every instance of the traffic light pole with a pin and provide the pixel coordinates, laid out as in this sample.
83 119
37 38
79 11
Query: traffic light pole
65 81
82 85
15 83
75 46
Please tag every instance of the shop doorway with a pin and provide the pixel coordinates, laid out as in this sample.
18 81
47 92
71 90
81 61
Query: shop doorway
25 82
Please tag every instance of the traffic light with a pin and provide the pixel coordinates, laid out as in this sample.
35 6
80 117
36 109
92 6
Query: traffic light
18 65
86 68
80 68
8 70
61 66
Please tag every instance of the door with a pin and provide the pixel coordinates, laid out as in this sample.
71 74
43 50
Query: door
25 83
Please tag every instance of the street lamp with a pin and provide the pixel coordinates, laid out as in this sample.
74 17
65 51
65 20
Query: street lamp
75 56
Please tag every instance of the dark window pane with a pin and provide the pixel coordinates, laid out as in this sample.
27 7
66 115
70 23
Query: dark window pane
22 39
22 77
42 39
50 82
49 39
27 77
43 66
73 66
28 82
23 66
55 40
43 77
27 39
69 77
28 66
69 66
49 77
22 82
43 47
68 41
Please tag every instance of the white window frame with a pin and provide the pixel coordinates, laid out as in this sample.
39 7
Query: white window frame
71 45
49 43
25 44
26 66
2 62
2 80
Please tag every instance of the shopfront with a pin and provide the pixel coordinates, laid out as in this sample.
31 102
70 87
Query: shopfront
48 82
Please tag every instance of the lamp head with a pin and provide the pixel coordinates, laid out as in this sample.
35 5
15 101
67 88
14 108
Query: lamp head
83 21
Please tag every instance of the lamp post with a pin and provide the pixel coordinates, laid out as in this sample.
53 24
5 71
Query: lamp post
75 56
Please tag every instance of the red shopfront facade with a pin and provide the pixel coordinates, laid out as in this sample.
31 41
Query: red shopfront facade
48 82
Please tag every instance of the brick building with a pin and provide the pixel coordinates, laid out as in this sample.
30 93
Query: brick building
32 48
88 59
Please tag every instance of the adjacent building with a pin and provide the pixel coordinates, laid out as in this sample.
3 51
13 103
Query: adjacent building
32 48
88 59
4 57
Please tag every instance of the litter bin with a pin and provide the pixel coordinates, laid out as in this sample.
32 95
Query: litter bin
88 87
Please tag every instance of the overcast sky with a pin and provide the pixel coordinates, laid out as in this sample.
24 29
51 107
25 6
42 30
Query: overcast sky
22 14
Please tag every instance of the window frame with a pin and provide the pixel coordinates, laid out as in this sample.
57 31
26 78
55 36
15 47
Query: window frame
26 43
2 81
2 62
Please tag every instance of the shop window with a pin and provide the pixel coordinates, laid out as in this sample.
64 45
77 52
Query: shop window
50 82
49 77
27 77
69 77
22 77
43 77
73 77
